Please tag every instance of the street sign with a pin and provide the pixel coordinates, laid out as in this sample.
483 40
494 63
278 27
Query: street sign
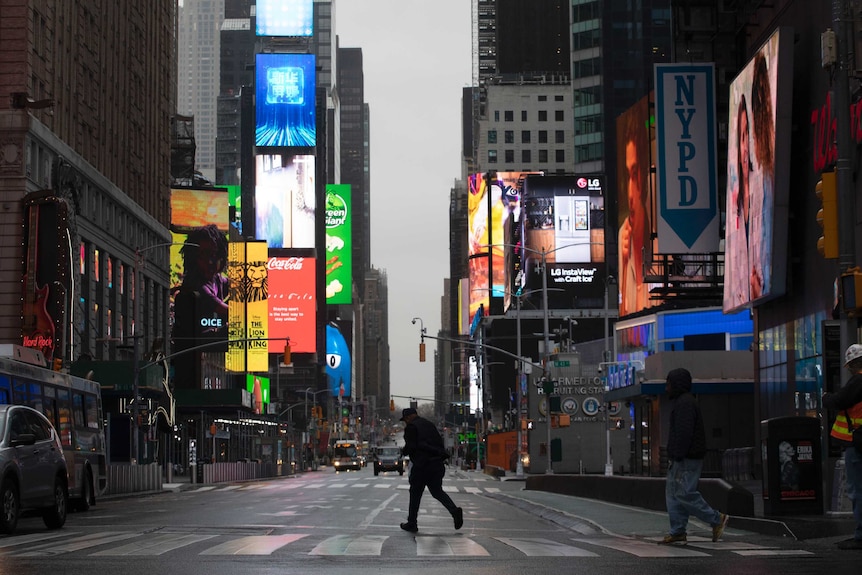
562 363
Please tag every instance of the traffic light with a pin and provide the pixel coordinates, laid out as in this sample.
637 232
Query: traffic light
58 364
851 289
391 404
827 215
286 354
422 351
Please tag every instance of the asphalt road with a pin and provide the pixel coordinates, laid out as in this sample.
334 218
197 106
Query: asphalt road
347 523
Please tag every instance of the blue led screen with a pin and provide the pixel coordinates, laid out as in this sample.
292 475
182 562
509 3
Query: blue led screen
285 101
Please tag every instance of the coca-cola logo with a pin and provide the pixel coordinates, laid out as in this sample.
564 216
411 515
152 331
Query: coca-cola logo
290 264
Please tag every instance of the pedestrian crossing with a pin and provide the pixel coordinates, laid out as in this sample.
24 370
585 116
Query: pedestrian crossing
165 542
344 483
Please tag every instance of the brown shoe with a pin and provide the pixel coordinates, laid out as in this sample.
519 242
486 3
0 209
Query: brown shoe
718 529
671 539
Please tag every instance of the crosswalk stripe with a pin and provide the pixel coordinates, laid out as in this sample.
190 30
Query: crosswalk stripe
767 552
349 545
427 545
641 548
32 538
254 545
157 545
533 547
75 544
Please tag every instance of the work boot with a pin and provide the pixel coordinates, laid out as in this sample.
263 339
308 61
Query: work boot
671 539
718 529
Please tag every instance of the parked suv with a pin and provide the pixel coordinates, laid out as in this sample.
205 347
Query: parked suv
33 476
388 458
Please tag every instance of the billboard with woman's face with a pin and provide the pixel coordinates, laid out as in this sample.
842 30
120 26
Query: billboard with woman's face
757 171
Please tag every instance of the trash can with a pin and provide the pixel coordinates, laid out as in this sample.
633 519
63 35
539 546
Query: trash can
792 474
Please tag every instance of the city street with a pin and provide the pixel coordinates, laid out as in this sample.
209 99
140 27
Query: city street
347 522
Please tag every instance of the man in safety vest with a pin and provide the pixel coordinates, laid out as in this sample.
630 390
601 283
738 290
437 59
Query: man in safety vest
848 404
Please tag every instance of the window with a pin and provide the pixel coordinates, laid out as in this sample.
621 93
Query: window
492 156
496 115
510 156
543 136
559 115
543 115
509 136
543 156
525 136
543 98
523 115
526 156
508 116
560 156
492 136
558 98
559 136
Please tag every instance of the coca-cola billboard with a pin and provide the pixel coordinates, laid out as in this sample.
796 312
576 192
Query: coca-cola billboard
292 304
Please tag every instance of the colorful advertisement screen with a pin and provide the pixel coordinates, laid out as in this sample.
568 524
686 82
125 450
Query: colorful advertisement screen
247 307
757 172
636 204
285 101
339 245
199 282
563 219
284 200
284 18
259 388
292 303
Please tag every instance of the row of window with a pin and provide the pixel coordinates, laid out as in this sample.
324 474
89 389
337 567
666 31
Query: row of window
526 156
526 136
509 115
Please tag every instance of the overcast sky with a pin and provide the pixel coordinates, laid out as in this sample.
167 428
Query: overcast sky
416 58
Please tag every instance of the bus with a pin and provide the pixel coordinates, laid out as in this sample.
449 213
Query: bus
73 406
345 455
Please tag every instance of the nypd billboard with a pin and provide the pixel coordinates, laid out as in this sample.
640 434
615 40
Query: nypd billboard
686 173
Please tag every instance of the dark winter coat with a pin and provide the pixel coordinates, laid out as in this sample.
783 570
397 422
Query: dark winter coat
423 443
687 437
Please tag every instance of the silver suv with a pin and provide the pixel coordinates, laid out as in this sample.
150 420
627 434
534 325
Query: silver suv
33 476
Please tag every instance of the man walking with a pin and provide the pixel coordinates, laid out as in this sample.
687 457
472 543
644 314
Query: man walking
847 401
424 445
686 447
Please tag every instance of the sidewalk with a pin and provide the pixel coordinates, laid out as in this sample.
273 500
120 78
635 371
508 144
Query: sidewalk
575 512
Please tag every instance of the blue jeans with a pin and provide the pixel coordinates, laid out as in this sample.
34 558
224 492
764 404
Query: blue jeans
682 497
853 475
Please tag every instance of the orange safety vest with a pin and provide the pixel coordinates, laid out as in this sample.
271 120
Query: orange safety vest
840 429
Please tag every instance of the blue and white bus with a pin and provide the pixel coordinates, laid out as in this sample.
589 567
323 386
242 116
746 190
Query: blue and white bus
73 405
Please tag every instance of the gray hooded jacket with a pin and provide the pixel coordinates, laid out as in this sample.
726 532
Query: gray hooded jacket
687 437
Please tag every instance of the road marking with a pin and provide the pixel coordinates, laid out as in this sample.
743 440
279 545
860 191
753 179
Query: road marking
75 544
534 547
432 545
350 545
32 538
156 545
254 545
369 519
642 548
767 552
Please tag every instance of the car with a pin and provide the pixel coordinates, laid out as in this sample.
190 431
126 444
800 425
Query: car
388 458
33 475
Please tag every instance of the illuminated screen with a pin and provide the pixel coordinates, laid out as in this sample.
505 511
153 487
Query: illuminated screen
564 217
635 203
284 18
259 388
756 229
285 101
292 303
339 244
285 200
247 307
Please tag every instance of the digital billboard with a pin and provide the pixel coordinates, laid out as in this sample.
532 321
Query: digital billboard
686 179
284 18
292 303
259 388
247 307
199 282
284 200
338 213
758 168
563 217
636 206
493 197
285 101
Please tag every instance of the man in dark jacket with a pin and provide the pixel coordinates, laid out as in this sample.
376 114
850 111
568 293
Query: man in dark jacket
424 445
686 446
